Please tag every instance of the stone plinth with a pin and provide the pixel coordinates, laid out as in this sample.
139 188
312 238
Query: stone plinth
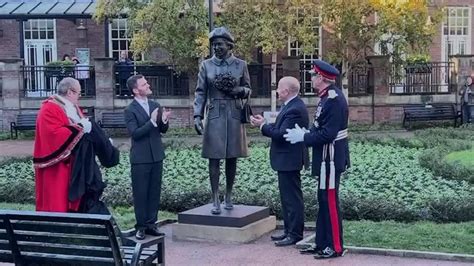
243 224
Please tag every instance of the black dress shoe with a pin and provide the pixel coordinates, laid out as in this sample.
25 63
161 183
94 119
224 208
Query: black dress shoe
288 241
278 237
154 232
140 234
328 253
312 250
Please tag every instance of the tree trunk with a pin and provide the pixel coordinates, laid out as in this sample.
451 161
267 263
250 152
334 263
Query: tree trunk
345 80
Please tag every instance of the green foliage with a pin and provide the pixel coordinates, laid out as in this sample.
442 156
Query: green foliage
4 135
434 145
427 236
465 158
406 26
384 182
270 24
352 30
418 59
176 26
65 63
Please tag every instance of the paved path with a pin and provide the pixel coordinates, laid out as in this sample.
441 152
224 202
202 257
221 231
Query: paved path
263 252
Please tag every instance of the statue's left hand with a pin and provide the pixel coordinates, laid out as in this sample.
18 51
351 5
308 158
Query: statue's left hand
239 92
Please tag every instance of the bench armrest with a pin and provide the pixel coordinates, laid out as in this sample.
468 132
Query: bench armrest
145 243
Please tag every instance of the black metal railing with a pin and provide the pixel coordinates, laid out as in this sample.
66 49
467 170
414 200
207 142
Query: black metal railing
260 78
42 81
359 80
163 80
422 78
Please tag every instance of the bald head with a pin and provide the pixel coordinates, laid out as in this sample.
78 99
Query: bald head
291 83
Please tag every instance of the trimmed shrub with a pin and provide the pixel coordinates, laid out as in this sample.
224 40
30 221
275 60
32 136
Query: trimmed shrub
384 182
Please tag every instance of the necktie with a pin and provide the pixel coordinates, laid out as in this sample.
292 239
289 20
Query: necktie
146 107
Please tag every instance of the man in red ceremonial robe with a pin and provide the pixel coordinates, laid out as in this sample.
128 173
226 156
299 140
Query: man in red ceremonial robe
59 127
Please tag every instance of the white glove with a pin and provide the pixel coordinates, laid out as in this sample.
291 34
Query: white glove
111 141
86 125
295 135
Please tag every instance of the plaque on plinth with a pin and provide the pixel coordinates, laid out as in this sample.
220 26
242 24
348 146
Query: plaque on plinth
242 224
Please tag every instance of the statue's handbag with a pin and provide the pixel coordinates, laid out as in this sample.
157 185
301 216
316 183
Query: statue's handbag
246 111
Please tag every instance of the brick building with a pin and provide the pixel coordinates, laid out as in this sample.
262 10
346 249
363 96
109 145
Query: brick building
37 32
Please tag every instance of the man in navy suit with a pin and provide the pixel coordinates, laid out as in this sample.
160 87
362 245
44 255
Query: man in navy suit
328 137
287 159
145 122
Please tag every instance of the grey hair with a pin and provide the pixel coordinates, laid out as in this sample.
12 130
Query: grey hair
292 83
66 84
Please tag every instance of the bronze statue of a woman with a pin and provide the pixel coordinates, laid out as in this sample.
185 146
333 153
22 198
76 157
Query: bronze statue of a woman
223 81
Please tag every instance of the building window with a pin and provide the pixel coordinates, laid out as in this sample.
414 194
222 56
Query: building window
458 19
456 32
119 37
294 49
39 29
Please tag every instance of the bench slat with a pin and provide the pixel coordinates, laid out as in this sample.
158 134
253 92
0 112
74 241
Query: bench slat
66 228
88 251
6 256
113 120
54 216
76 250
62 238
31 257
434 112
66 239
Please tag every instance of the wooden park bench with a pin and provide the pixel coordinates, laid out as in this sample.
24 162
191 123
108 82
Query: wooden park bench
49 238
430 113
112 120
23 122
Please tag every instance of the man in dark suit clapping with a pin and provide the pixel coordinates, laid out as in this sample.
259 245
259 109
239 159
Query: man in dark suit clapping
145 121
287 159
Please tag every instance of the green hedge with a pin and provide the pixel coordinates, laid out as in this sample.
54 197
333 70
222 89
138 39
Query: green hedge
384 182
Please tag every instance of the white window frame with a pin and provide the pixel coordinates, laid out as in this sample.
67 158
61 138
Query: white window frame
119 38
459 31
31 42
295 50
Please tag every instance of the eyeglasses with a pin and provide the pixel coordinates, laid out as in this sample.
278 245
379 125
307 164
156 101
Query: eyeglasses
75 92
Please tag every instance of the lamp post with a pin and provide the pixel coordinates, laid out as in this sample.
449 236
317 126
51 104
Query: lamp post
211 23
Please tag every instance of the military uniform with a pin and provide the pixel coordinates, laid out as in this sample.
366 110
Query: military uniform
328 137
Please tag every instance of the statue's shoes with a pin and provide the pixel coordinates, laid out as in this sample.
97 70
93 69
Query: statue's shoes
216 210
228 206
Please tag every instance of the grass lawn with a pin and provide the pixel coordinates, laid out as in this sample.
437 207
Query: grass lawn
465 157
426 236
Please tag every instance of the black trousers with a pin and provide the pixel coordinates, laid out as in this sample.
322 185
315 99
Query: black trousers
292 205
329 220
466 113
146 187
